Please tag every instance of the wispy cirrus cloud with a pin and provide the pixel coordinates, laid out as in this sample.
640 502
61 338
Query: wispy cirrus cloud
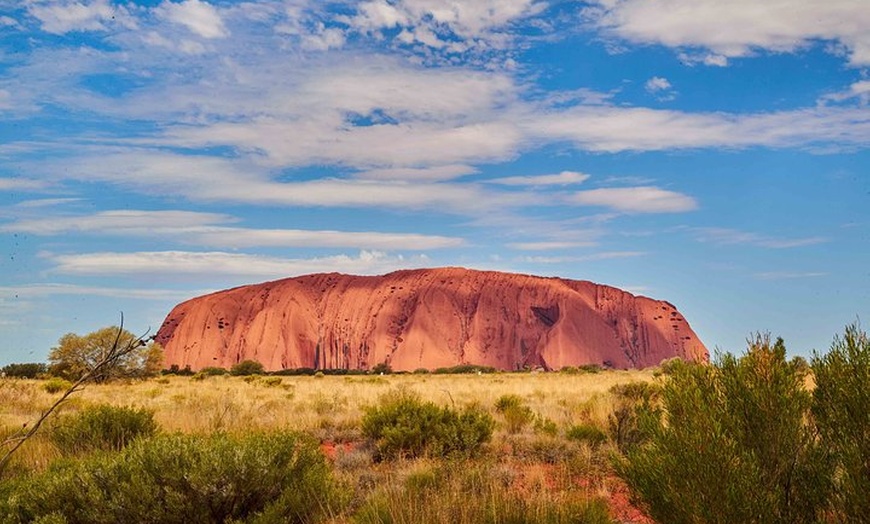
726 236
175 264
564 178
643 199
203 229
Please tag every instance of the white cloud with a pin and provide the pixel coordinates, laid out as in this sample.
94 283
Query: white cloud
201 229
613 129
199 17
204 178
8 21
788 275
645 199
30 291
594 257
439 23
63 17
738 27
561 179
859 90
170 264
123 222
547 245
726 236
656 84
431 174
21 184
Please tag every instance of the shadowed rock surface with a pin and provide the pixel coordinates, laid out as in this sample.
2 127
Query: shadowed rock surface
426 318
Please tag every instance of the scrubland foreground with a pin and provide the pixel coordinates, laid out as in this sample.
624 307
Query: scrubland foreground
756 438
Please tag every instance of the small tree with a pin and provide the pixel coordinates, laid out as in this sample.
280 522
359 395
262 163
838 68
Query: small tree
25 370
76 355
246 368
842 413
730 442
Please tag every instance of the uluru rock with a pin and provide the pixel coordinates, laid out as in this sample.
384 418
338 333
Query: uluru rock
426 318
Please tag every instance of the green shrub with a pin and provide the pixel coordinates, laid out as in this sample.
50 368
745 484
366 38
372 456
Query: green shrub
587 433
214 371
279 477
382 369
841 409
25 370
403 425
730 443
101 428
247 368
56 385
516 414
630 399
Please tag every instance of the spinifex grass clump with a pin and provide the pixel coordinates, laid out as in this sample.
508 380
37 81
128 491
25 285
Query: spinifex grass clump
277 477
102 428
401 424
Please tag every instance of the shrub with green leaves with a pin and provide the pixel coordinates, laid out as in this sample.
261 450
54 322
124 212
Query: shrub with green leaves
516 414
401 424
278 477
246 368
56 385
841 410
630 399
24 370
102 428
729 442
588 434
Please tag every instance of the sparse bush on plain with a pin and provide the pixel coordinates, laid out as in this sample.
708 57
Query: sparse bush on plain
278 477
401 424
247 368
588 434
56 385
516 414
215 371
101 428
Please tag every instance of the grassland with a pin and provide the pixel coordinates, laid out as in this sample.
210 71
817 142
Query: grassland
533 465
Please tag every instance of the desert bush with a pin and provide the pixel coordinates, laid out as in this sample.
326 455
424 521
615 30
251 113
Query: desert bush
215 371
56 385
588 434
247 368
401 424
630 399
272 382
382 369
729 443
516 414
841 409
464 369
25 370
101 428
280 477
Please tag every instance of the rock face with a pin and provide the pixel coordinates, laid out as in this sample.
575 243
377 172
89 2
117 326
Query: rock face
426 318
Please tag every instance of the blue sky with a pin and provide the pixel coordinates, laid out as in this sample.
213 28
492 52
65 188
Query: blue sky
712 154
